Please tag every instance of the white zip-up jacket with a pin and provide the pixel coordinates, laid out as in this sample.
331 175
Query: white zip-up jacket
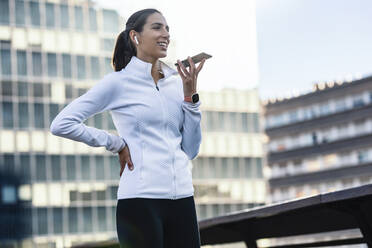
161 130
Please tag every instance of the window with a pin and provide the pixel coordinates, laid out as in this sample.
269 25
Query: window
5 62
50 14
52 64
6 88
23 89
39 115
92 19
21 63
85 168
7 114
236 168
358 101
4 11
35 13
38 89
324 109
293 116
102 219
94 67
340 105
42 221
73 222
56 167
114 167
8 194
221 121
110 21
57 220
64 16
70 168
25 168
19 13
247 167
259 172
53 111
87 219
66 66
36 64
68 91
79 20
40 168
100 170
244 122
23 116
81 67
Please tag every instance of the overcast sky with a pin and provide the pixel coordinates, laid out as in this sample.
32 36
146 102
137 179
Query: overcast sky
278 46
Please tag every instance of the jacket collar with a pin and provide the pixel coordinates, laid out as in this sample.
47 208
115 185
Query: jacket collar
143 68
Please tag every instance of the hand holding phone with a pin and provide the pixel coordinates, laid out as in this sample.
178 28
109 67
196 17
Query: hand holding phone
196 59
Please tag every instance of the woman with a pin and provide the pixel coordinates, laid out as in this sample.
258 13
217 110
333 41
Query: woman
158 119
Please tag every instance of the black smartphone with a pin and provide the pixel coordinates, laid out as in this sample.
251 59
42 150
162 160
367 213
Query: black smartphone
196 59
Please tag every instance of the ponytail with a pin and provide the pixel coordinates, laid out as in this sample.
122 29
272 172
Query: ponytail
124 48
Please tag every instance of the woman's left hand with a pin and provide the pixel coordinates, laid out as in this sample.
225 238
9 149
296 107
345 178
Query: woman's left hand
189 77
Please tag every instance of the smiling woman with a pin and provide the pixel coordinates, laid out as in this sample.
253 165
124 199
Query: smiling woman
159 132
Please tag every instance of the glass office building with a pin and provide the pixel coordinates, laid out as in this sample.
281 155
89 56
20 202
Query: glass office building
55 192
227 173
50 53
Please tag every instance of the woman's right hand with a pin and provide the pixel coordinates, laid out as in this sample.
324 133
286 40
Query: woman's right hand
125 158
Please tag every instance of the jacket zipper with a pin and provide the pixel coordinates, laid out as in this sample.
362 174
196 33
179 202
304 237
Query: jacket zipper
166 133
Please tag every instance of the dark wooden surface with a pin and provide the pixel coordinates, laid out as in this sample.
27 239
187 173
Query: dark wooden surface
332 211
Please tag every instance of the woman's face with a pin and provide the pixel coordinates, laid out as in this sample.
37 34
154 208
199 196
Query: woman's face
154 38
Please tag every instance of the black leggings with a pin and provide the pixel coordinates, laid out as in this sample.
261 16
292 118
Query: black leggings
157 223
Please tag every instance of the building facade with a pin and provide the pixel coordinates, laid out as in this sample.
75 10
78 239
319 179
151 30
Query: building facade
227 173
321 141
50 53
62 192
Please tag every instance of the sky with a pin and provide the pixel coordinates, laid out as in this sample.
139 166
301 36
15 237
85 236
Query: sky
280 47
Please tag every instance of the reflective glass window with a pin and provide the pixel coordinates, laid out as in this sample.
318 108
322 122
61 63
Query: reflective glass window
100 171
65 19
6 88
110 21
5 62
50 14
92 19
52 64
35 13
72 220
7 114
56 167
21 63
81 67
39 115
57 220
102 219
40 168
4 11
94 67
66 66
87 219
22 89
36 64
79 19
23 115
71 168
20 12
42 221
85 168
38 89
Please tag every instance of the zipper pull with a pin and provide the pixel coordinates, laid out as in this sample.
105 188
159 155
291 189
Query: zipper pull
157 87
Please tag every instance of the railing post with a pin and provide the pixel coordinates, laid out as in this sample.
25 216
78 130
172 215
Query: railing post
251 243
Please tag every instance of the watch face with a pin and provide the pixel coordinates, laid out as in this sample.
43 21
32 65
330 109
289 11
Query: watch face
195 98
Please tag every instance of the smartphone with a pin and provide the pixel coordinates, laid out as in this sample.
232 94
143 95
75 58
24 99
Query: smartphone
195 59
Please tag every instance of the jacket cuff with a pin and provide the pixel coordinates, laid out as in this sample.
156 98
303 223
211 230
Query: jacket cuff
116 144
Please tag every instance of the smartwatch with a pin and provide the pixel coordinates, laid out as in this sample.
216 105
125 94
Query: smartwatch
194 98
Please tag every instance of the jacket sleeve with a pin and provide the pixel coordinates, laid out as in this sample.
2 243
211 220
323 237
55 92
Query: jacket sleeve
69 122
191 130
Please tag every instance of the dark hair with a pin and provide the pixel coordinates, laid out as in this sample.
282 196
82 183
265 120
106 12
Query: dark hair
124 49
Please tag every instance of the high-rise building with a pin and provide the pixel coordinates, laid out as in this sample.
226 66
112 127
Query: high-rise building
64 192
321 141
227 173
50 53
